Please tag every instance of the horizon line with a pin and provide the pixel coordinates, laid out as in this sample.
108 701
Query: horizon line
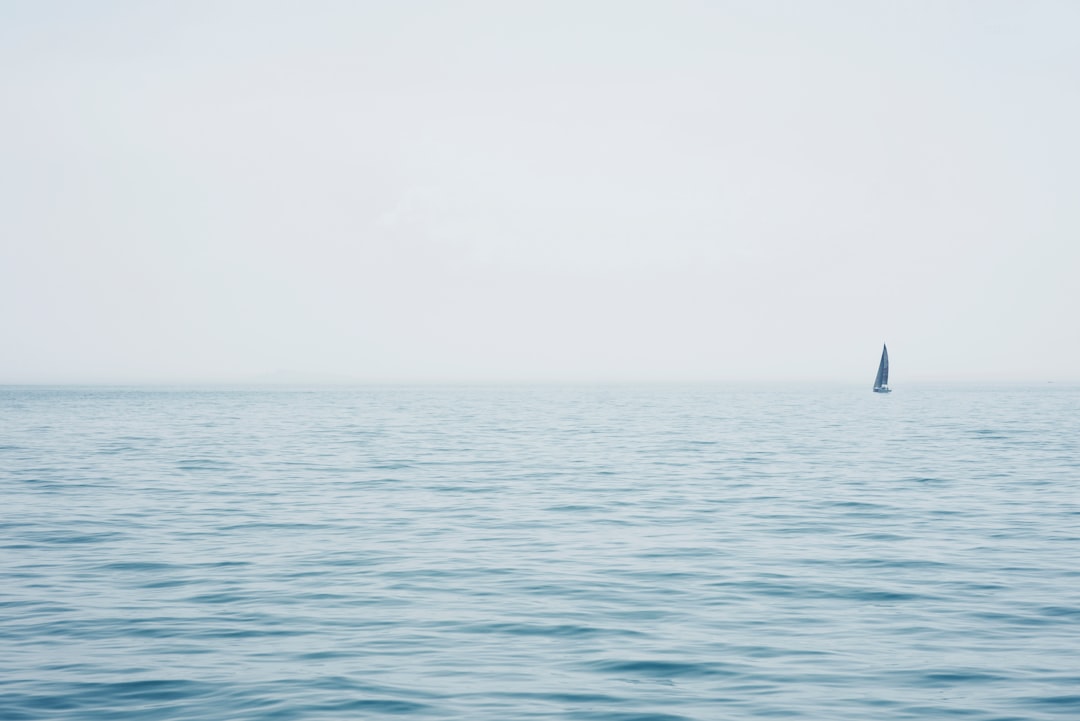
358 382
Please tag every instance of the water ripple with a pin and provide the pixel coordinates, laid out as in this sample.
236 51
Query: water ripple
608 553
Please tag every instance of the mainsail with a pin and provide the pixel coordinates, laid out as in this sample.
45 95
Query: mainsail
882 379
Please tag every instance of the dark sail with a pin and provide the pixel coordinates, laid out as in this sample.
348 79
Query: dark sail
882 369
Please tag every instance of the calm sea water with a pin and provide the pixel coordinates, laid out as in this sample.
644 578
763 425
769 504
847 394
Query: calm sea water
615 553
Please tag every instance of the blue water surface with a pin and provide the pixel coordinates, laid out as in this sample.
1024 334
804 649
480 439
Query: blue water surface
618 553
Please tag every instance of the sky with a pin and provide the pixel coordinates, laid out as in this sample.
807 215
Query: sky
538 191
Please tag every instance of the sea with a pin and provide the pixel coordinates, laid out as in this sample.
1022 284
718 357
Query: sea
503 553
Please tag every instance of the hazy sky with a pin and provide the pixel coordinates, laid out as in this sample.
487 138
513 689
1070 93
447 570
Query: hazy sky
539 190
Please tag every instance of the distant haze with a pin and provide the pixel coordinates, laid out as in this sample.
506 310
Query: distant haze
426 191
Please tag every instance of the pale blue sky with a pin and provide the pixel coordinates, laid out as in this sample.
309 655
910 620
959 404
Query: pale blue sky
540 190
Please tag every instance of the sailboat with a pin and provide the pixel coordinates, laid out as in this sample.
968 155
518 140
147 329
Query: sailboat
881 383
